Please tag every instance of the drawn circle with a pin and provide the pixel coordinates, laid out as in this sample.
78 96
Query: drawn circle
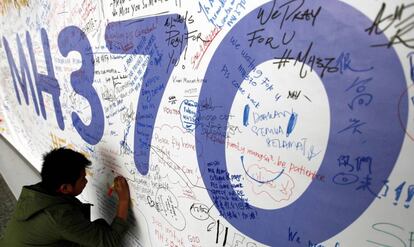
337 28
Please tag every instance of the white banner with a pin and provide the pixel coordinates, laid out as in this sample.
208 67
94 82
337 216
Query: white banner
236 123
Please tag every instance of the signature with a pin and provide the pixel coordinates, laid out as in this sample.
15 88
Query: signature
401 20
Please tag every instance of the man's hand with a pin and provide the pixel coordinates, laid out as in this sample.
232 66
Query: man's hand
122 189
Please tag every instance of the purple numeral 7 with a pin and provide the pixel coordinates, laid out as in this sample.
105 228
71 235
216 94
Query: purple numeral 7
163 41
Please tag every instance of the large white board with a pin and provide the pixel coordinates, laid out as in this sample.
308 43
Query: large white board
236 123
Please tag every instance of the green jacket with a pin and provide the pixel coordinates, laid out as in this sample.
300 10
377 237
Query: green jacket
41 219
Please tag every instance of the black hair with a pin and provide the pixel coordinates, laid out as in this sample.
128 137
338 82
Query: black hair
62 166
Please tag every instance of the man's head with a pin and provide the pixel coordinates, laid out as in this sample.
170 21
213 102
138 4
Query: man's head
63 171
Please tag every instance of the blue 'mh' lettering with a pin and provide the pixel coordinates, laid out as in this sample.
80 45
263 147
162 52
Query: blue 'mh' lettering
44 83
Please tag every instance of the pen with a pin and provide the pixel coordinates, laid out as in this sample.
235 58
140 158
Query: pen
111 189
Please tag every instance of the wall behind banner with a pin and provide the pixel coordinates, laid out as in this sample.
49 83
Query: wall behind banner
236 123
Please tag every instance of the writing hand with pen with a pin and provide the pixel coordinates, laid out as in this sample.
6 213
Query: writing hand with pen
120 186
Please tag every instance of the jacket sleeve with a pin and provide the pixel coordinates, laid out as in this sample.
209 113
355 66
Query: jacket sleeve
73 226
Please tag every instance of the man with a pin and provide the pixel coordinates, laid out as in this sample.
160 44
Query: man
49 214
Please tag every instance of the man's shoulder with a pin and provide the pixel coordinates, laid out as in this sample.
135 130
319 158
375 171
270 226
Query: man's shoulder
63 208
68 211
34 200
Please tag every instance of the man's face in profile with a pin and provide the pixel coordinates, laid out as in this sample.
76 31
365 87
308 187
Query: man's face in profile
80 183
77 188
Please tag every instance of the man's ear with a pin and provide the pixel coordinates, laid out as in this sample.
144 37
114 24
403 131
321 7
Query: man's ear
65 189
